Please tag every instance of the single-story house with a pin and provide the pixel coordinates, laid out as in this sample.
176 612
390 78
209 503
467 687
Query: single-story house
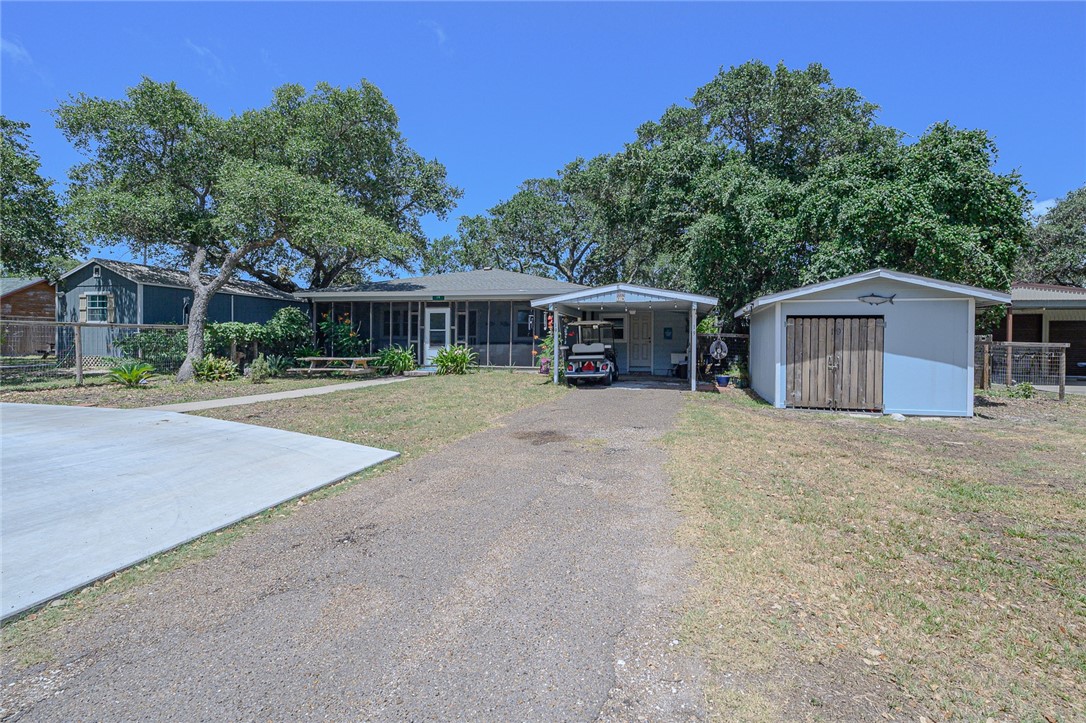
503 315
880 341
654 328
489 310
104 291
1048 313
27 299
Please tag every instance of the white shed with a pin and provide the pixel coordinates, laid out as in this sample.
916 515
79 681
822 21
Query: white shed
878 341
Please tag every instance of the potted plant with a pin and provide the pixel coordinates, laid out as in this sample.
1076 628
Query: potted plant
738 374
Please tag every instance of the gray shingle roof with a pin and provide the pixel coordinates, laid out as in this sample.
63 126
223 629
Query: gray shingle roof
482 284
9 284
158 276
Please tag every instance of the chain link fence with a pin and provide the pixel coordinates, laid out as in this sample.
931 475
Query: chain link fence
34 350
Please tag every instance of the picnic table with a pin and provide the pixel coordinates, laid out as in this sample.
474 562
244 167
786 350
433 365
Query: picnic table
346 364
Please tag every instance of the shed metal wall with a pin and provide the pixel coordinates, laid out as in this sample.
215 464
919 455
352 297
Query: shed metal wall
928 345
763 362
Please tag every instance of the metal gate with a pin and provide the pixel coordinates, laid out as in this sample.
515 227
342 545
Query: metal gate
834 362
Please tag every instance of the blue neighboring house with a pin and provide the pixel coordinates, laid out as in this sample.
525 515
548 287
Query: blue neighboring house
104 291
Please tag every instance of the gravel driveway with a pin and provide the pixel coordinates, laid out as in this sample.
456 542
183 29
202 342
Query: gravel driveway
526 572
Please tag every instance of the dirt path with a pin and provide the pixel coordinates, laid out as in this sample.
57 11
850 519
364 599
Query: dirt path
526 572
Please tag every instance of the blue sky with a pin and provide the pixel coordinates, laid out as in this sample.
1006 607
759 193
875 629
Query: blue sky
503 92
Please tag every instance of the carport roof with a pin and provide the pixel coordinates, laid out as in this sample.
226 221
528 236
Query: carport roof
626 296
984 297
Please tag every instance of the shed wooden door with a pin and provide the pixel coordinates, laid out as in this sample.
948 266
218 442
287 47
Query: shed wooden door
834 362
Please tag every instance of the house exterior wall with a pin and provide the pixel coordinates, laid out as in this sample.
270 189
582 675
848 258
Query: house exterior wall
38 301
662 348
97 341
161 305
928 345
491 329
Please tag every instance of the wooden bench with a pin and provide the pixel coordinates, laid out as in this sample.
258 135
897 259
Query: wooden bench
345 364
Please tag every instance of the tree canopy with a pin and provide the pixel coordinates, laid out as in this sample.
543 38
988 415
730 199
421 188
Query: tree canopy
769 178
319 186
1057 250
32 235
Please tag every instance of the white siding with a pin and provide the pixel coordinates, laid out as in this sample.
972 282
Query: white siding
928 345
763 360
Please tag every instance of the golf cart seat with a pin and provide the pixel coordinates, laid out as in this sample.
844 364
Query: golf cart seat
597 348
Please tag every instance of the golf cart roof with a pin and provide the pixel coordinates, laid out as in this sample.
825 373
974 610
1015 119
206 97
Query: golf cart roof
590 323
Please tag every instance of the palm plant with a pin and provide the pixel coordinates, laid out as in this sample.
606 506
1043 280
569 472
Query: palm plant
458 359
132 373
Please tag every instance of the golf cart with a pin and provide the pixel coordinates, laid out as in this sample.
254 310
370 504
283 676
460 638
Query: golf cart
592 356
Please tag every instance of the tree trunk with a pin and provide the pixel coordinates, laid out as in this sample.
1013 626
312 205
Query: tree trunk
197 317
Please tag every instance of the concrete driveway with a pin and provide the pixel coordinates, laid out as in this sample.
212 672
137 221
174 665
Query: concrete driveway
89 491
528 572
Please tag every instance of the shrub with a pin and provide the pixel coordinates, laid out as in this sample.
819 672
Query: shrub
343 339
220 335
287 330
258 370
278 364
160 348
132 373
1022 390
456 360
396 359
215 369
307 351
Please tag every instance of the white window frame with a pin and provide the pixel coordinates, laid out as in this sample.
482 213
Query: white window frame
104 297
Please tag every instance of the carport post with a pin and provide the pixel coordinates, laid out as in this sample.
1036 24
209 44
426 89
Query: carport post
554 343
692 357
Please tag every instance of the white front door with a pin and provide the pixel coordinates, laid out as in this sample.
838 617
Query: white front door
437 331
640 326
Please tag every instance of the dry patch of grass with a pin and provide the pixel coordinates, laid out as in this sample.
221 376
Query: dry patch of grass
858 568
99 392
413 418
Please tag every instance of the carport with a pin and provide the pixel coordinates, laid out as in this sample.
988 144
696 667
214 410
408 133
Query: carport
653 327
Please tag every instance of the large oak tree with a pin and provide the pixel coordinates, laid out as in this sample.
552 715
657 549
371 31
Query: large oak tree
267 191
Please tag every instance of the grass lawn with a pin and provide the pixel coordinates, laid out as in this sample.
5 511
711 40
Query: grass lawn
412 417
858 568
100 392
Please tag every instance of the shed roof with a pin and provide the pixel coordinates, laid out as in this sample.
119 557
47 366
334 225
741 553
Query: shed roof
626 295
172 278
1027 295
984 297
482 284
11 284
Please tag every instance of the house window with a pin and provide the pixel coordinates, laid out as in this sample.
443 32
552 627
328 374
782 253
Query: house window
97 272
98 307
620 326
524 325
